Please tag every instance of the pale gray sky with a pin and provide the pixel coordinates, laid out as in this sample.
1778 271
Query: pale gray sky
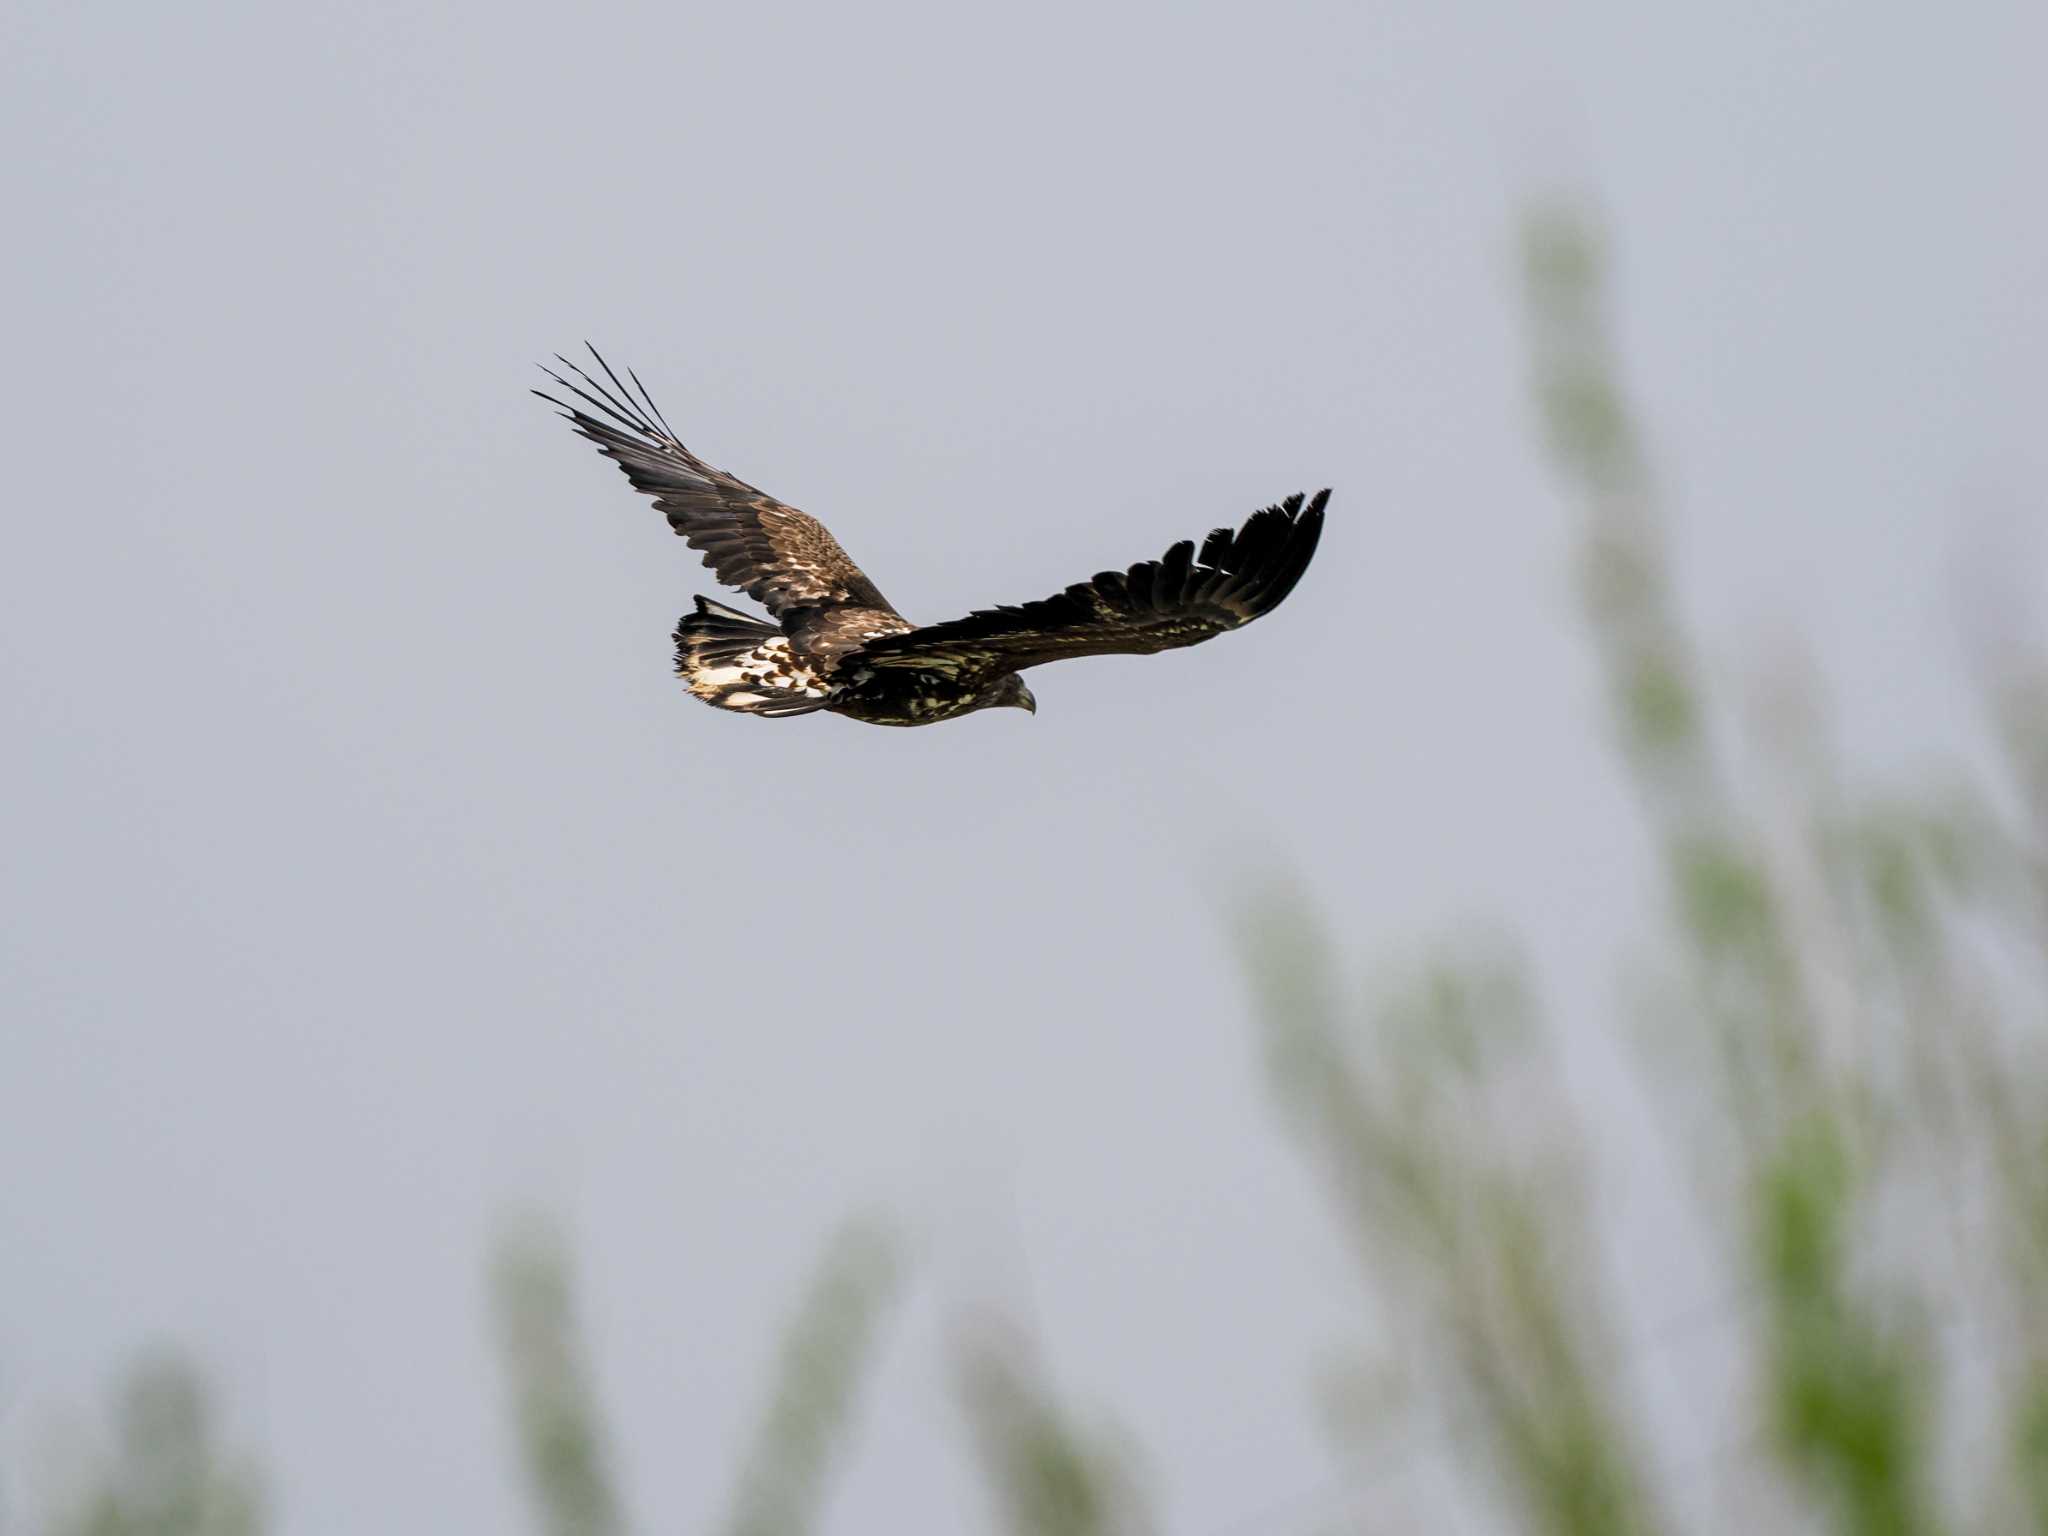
368 872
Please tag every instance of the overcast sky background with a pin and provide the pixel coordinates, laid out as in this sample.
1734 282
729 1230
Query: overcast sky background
368 874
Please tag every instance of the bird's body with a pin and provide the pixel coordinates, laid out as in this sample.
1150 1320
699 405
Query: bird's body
882 697
838 645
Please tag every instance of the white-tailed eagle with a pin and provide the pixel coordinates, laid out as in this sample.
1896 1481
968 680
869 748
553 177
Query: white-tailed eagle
837 644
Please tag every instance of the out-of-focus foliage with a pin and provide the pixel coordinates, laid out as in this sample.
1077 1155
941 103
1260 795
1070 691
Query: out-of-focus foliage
1858 1080
824 1354
166 1473
1868 975
1046 1475
783 1480
1456 1203
561 1437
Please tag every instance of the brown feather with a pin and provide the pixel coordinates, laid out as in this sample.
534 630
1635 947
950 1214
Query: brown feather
782 558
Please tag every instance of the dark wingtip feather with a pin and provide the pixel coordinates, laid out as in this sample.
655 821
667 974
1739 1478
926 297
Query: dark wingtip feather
1268 555
1304 532
616 407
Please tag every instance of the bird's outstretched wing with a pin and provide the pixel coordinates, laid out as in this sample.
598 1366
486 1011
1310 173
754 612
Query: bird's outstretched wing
1180 599
782 558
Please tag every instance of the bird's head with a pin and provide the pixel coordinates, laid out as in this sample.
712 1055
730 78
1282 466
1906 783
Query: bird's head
1012 694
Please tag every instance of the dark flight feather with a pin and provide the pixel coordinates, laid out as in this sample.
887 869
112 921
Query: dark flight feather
1156 605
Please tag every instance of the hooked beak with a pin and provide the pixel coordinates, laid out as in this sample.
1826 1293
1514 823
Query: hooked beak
1027 702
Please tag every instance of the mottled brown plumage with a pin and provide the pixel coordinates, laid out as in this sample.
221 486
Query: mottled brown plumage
840 646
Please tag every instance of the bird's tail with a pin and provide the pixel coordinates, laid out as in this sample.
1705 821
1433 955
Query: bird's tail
733 661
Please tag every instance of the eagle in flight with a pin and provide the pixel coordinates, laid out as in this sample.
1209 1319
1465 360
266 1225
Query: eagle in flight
838 645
